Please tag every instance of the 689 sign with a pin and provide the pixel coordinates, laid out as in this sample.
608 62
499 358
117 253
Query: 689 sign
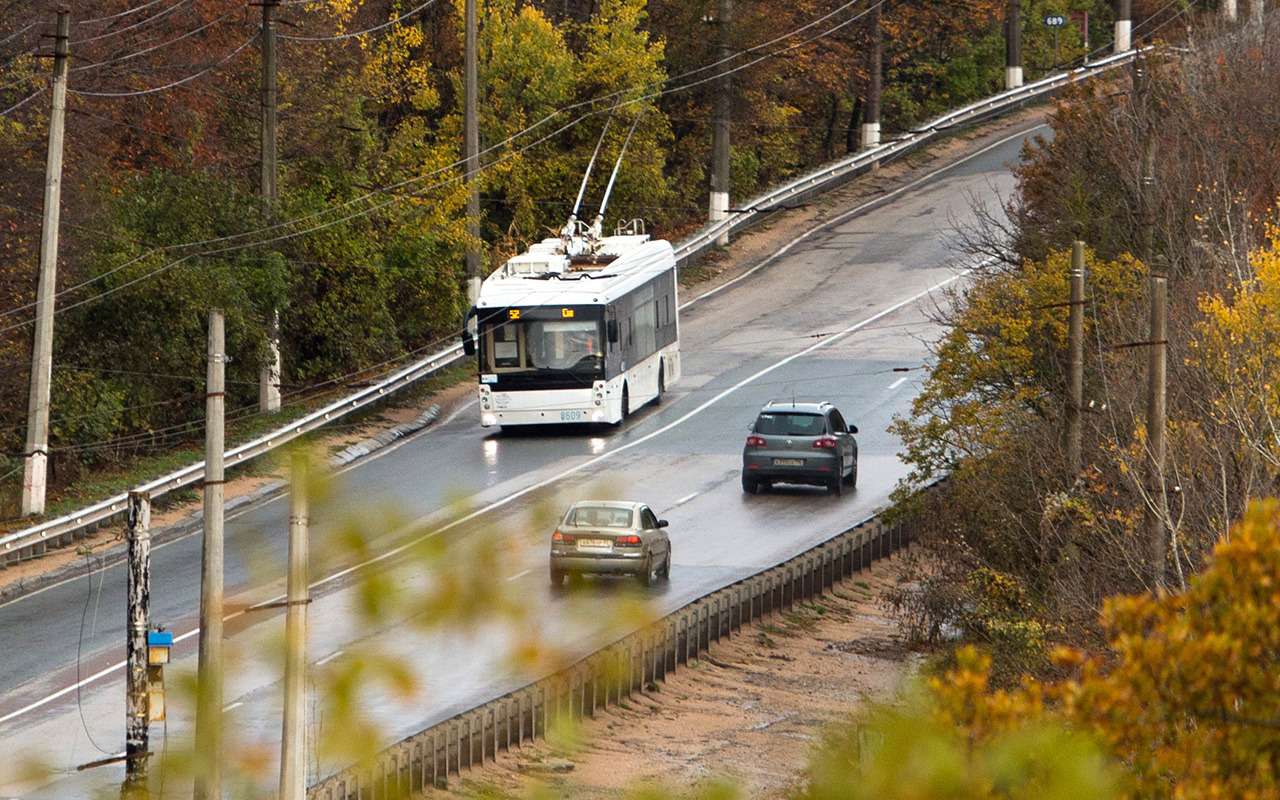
1055 20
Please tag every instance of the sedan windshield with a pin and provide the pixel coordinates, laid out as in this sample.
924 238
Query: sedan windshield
598 517
791 424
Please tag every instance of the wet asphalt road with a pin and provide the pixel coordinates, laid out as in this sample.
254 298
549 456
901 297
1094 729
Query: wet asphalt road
742 347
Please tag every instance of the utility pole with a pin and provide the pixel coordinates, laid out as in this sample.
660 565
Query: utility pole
471 135
269 375
1230 10
1124 26
1158 334
137 711
35 469
1258 12
719 208
875 70
293 749
1075 360
1013 45
209 679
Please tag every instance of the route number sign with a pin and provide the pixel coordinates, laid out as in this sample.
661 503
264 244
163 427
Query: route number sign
1055 20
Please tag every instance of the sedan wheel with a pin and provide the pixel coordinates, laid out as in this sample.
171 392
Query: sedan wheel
645 577
557 578
664 572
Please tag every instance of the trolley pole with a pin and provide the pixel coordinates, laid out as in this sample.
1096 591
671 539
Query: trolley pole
471 146
208 744
293 745
875 81
720 152
269 374
1075 360
137 711
35 468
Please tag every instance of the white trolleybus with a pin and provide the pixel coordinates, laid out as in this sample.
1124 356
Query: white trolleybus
579 329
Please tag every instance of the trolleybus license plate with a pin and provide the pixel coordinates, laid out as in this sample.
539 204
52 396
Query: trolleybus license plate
572 416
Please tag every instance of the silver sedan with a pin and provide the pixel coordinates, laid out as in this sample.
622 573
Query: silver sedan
610 537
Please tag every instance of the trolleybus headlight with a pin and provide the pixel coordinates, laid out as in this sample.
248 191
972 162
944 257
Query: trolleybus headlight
488 420
597 416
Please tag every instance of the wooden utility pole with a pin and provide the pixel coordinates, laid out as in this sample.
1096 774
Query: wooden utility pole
137 710
1075 360
1013 45
208 744
875 81
1124 26
471 145
720 140
293 742
269 375
35 469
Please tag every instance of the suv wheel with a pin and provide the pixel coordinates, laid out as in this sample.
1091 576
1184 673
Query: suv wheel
836 485
750 485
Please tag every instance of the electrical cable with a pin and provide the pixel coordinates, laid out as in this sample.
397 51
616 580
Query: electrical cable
172 84
354 34
88 559
127 12
20 104
139 24
395 199
153 48
509 140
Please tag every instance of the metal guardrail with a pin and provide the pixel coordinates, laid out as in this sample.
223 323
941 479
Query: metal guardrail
820 179
614 673
62 530
65 529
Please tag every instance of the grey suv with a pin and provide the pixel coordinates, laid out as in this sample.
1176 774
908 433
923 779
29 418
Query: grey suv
800 443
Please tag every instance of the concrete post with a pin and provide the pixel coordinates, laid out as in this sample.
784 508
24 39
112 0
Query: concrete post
471 146
720 143
1124 26
293 743
1013 45
138 590
875 71
1075 360
269 374
208 743
36 465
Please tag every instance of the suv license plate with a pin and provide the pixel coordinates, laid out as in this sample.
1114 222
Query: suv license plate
595 544
788 462
572 416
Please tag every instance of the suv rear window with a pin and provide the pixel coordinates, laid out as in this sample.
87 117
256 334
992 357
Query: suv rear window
791 424
598 517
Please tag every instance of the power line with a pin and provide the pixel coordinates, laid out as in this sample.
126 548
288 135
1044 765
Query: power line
22 103
134 26
354 34
509 140
171 84
154 48
127 12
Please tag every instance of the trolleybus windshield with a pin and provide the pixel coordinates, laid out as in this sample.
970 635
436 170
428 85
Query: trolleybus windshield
534 345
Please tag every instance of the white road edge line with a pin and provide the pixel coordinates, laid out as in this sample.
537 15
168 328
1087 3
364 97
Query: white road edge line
329 658
518 575
685 499
232 706
679 421
897 383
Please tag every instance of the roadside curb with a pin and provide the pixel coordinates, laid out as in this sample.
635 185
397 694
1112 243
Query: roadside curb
115 553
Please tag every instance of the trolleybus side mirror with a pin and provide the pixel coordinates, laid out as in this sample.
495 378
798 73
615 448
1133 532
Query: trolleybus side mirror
612 331
468 343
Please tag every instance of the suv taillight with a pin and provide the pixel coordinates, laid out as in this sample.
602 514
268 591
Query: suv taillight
825 443
755 441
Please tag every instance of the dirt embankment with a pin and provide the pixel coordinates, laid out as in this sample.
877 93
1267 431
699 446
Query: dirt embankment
749 711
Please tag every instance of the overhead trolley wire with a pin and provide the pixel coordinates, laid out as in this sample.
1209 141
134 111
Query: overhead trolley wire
354 34
417 179
171 84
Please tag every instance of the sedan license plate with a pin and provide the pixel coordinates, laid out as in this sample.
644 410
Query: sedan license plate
572 416
788 462
595 545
